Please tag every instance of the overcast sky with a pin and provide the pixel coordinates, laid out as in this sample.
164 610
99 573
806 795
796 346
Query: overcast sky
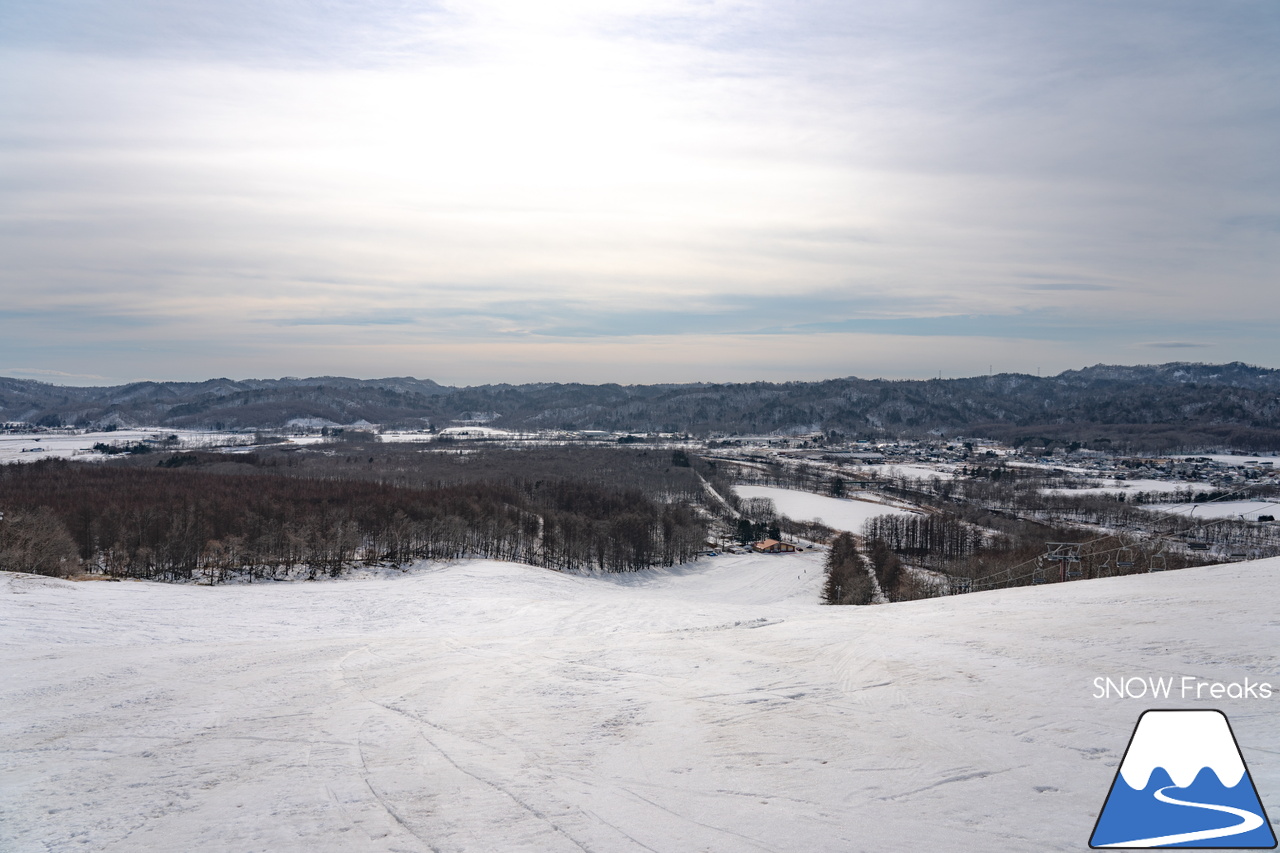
585 190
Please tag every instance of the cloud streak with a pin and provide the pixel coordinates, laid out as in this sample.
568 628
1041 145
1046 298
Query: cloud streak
1175 345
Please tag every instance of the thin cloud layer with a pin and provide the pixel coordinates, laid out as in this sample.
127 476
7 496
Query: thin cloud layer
367 188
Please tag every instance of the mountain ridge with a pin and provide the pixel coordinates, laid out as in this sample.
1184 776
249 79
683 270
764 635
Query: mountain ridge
1176 404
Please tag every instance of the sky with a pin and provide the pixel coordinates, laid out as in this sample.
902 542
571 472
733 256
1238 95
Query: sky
636 192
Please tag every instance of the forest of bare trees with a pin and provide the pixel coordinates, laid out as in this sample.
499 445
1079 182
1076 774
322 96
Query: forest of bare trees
201 516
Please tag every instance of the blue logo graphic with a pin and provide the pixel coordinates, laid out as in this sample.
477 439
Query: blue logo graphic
1183 783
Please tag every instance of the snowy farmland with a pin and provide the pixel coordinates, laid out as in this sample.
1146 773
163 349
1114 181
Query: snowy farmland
1126 486
32 447
1245 510
837 513
496 707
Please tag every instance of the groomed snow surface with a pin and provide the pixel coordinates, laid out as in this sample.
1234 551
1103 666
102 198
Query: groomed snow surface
489 706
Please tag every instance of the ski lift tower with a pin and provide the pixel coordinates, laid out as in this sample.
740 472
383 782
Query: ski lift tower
1067 556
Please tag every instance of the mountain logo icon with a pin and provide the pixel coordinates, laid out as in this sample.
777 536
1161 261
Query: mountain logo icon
1183 783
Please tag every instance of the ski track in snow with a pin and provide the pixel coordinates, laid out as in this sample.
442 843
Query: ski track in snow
485 706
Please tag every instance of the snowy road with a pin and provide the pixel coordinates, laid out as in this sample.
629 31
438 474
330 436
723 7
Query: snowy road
495 707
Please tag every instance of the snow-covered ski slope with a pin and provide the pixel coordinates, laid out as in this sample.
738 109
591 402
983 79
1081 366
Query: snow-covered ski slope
487 706
838 513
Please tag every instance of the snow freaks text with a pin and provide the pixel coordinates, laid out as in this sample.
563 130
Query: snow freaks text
1172 687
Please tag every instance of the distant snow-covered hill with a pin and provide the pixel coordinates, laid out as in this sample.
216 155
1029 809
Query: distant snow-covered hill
1161 407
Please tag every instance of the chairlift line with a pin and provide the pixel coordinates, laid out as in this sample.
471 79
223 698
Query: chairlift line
1124 554
1157 562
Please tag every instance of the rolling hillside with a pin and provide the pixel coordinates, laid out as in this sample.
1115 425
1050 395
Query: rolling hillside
1155 408
493 706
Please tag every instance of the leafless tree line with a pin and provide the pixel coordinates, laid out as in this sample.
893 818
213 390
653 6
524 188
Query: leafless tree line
185 523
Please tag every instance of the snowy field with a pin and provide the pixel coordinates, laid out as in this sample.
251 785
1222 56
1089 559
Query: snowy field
912 472
1232 459
488 706
31 448
1120 487
836 513
406 437
1247 510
